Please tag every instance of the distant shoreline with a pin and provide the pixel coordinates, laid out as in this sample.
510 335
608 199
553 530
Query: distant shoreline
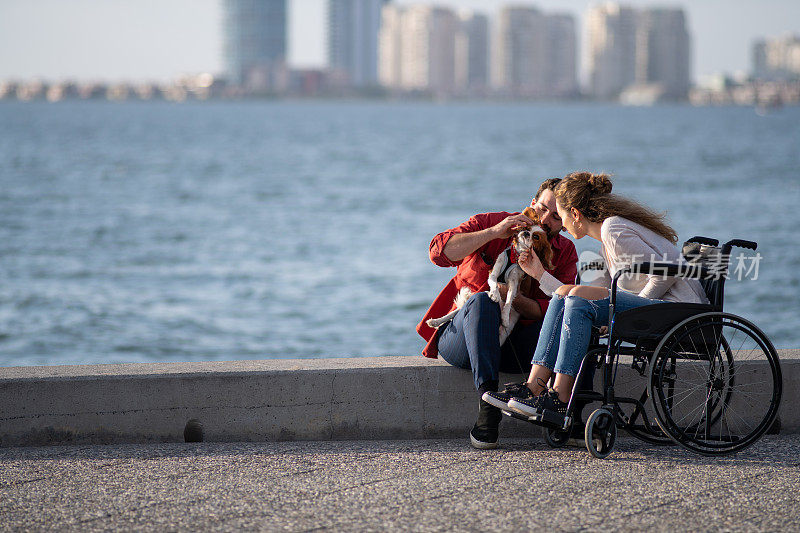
365 100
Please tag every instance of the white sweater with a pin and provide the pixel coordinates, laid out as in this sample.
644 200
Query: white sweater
625 242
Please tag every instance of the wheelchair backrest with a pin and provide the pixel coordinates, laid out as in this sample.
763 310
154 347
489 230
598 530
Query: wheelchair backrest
704 251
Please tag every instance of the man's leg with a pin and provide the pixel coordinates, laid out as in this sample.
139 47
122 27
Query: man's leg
516 353
482 337
471 341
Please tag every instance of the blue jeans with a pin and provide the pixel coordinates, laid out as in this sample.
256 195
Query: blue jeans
567 328
472 341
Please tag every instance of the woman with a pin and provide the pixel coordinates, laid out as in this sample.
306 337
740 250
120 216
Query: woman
629 233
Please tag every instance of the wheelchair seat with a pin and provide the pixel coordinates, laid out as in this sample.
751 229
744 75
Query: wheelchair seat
651 322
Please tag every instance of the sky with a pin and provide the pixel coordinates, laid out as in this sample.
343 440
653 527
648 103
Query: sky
158 40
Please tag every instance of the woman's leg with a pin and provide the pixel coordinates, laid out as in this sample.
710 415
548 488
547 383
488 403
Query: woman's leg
584 307
544 357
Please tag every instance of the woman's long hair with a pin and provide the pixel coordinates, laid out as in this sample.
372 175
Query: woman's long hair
591 195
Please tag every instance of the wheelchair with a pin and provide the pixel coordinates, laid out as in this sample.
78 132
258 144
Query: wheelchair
702 378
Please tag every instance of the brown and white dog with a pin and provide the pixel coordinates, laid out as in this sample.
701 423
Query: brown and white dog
507 270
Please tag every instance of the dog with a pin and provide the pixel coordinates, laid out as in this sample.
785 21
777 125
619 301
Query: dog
507 270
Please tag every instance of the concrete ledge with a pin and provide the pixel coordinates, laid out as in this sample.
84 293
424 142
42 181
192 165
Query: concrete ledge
405 397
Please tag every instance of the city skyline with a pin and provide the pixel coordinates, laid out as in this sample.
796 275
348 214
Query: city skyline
158 41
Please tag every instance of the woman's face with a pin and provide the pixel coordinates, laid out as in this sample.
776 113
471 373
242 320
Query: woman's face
568 220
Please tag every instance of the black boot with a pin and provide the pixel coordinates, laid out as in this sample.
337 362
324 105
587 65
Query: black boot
484 433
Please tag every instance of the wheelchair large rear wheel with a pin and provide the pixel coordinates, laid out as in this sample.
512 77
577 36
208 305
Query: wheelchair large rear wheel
634 409
715 382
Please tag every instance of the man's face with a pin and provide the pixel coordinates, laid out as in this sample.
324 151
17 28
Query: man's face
545 206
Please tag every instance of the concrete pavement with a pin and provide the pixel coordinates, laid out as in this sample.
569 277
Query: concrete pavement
419 485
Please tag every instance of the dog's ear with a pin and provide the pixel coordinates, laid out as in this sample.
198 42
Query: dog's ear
531 214
547 254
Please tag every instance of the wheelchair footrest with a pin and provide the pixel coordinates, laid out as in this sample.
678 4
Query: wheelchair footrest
546 418
518 416
549 418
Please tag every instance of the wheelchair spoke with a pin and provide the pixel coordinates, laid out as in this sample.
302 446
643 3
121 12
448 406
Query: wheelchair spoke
699 408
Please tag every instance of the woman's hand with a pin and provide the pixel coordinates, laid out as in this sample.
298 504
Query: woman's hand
530 264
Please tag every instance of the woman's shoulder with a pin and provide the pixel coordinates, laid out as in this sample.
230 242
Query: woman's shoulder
618 232
615 225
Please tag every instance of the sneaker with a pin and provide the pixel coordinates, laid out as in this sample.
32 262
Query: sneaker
552 403
535 405
512 390
484 434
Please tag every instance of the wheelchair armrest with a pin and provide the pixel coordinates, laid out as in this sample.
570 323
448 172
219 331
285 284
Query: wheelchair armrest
675 270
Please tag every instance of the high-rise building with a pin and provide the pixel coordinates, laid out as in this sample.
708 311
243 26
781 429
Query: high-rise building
353 27
472 53
417 49
561 74
611 50
647 51
535 54
520 51
389 45
777 59
255 42
759 59
663 52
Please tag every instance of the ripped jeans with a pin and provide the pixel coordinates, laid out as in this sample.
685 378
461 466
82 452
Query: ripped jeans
567 328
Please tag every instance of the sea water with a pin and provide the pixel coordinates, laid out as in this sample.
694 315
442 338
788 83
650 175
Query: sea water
152 231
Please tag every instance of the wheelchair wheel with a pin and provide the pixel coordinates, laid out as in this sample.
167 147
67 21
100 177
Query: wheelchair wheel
635 412
600 433
715 381
556 438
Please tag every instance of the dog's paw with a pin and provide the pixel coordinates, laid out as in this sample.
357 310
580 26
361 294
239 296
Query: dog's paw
503 334
494 294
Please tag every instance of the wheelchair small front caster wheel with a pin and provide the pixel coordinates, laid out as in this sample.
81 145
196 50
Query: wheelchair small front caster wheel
601 433
556 438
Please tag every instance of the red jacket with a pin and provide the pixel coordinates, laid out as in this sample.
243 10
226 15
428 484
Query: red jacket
473 271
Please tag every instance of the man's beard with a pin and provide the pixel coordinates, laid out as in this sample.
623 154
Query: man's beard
549 232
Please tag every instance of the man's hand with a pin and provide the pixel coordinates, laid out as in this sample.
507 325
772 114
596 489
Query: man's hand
530 264
510 225
461 245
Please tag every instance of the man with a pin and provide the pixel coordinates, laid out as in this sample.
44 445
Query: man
471 339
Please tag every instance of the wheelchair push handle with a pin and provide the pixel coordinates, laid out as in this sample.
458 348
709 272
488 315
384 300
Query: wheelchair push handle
740 243
704 240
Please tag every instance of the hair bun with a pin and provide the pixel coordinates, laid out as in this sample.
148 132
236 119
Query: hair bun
600 183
